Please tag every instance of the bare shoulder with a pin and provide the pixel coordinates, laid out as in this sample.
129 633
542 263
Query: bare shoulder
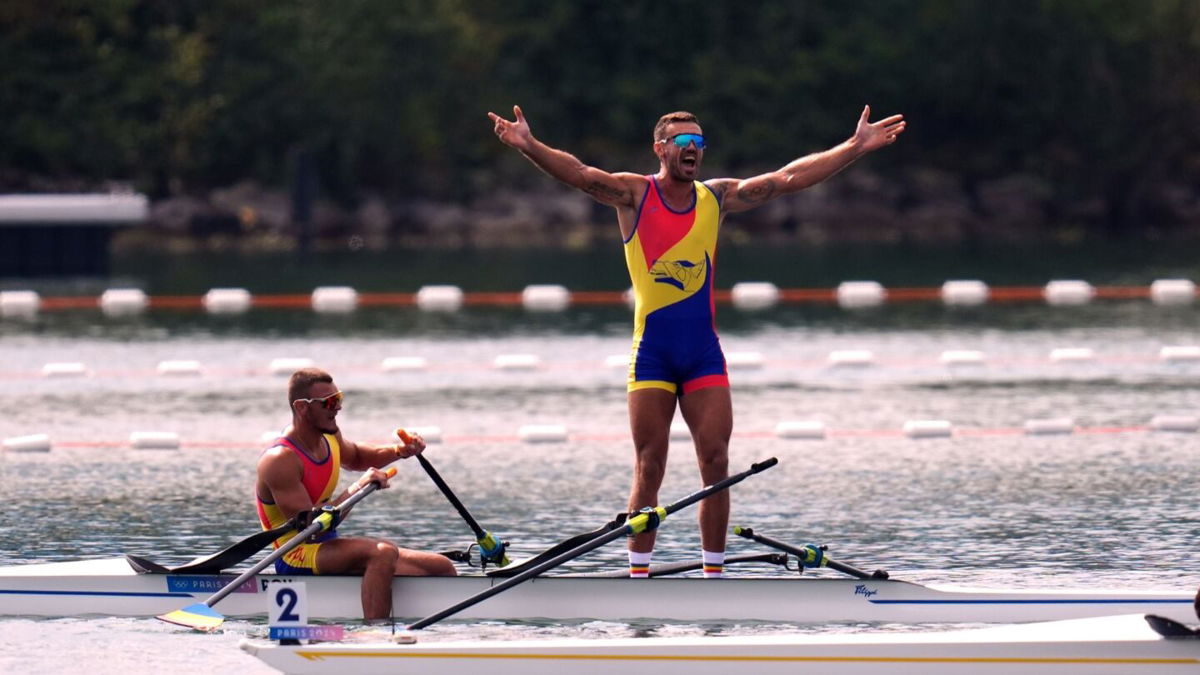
277 463
721 186
622 190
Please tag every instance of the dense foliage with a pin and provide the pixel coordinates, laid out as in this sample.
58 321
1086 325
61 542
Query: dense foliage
1099 98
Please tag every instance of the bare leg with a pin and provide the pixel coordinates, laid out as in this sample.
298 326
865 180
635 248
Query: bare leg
412 563
374 559
378 561
650 413
709 414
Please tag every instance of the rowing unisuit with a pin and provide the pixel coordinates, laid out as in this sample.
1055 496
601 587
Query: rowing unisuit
670 256
320 479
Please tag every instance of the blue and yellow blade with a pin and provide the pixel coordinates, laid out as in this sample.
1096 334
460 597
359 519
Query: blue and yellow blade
198 616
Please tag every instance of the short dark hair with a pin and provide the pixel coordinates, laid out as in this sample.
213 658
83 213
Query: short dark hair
660 129
301 382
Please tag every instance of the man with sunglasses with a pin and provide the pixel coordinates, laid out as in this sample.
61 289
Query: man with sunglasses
669 223
299 474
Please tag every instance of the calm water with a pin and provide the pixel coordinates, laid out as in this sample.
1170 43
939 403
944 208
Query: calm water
1112 506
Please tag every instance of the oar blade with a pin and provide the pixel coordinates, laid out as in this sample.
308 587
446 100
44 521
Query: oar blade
198 616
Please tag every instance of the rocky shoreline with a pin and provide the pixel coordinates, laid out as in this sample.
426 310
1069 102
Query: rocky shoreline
861 207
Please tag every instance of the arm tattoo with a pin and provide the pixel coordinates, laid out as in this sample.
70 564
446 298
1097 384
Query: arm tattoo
603 191
757 194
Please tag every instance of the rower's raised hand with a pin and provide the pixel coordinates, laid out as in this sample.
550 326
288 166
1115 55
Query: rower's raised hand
874 135
515 134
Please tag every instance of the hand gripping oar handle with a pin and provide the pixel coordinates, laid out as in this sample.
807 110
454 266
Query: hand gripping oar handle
491 548
809 556
322 522
641 522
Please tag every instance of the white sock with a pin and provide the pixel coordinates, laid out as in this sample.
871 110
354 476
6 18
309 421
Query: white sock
639 564
714 564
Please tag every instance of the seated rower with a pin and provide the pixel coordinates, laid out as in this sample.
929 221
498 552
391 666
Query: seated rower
299 473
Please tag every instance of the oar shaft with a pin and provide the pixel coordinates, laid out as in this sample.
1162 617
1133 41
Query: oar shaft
633 526
451 497
803 555
316 526
527 574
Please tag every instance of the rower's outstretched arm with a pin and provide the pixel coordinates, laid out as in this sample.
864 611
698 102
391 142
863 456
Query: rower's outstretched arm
743 194
617 190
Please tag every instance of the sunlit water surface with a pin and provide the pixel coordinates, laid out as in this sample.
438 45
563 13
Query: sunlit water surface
1106 506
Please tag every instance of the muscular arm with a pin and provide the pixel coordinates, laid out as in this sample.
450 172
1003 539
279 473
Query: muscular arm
280 477
743 194
361 456
619 190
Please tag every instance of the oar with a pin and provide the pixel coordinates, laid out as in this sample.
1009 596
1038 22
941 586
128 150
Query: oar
491 548
202 616
809 556
224 559
647 519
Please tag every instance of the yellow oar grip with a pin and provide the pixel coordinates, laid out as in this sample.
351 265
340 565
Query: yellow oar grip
640 523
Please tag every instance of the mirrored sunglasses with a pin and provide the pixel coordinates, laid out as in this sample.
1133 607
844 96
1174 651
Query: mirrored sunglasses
682 140
329 402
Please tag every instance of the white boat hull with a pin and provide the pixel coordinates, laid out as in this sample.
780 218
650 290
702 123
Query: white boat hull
109 587
1116 645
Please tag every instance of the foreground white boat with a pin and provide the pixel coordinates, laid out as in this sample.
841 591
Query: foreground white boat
110 587
1114 645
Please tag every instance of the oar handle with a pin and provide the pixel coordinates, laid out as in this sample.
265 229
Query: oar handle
321 522
641 522
810 554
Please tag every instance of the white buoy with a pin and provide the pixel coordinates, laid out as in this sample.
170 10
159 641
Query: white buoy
1181 423
440 298
123 301
927 428
855 294
1068 292
851 358
19 304
810 429
517 362
1173 292
30 443
964 292
334 299
1058 425
753 295
680 431
154 440
962 357
545 298
616 361
408 364
181 367
1178 353
287 366
64 369
744 360
1072 355
431 434
542 433
227 301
